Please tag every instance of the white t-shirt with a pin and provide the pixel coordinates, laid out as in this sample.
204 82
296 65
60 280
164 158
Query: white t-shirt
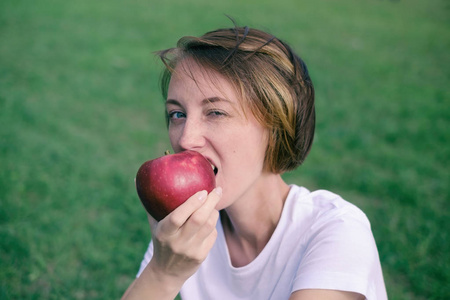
321 242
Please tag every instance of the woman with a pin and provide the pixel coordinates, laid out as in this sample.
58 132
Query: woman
244 99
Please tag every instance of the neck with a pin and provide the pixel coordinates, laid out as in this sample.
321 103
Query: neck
250 222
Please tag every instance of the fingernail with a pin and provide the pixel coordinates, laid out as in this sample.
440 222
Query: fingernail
218 190
202 195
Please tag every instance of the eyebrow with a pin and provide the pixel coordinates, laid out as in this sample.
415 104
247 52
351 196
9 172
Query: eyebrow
173 101
215 99
204 101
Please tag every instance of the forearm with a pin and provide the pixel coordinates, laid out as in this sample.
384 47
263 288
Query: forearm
182 242
151 286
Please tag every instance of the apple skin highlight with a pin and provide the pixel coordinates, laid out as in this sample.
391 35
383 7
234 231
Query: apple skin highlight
166 182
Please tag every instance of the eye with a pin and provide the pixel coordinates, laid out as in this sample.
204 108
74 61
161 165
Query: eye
176 115
216 113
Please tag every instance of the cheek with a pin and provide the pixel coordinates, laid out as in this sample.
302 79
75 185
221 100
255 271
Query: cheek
258 142
251 149
174 137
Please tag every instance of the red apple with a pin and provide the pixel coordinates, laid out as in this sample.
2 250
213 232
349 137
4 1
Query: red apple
165 183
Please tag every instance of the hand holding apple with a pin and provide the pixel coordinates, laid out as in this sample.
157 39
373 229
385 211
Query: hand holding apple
166 182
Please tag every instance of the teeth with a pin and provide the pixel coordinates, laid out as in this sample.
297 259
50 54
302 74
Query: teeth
214 169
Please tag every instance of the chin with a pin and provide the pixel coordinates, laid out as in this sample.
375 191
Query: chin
222 204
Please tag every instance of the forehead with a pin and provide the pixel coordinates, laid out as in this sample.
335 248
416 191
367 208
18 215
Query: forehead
191 77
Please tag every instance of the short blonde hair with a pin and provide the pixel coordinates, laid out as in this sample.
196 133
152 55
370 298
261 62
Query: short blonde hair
270 79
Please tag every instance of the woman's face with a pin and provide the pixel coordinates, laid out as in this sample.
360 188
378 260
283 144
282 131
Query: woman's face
210 120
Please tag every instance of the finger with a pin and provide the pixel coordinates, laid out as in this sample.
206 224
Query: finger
209 241
200 217
177 218
208 227
213 199
201 249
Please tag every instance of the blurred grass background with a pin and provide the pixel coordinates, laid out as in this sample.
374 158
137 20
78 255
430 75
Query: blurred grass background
80 110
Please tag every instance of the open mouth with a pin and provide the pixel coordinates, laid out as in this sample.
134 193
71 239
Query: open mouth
214 168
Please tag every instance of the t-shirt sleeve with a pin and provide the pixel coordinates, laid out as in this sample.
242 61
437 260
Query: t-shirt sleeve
147 257
341 254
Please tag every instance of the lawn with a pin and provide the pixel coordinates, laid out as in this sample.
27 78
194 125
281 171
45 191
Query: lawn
80 110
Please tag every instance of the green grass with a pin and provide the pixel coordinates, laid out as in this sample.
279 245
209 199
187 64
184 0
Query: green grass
80 110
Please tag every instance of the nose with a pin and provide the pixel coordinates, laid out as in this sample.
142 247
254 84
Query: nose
192 135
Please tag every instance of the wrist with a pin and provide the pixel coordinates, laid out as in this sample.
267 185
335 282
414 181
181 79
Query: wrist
152 284
170 283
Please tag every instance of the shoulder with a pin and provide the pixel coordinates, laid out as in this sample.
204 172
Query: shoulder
330 229
339 250
321 207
